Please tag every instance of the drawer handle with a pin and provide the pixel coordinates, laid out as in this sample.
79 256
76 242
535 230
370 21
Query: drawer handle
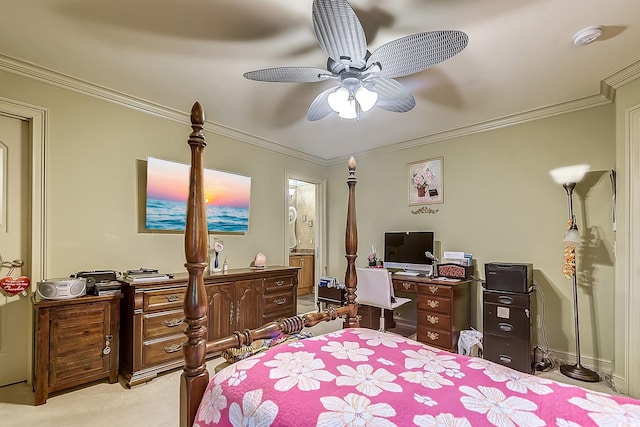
432 303
505 300
433 336
507 327
505 359
433 319
406 285
279 282
280 301
172 348
173 297
172 323
433 289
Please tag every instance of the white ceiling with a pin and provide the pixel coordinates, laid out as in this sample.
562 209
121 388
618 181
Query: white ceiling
520 63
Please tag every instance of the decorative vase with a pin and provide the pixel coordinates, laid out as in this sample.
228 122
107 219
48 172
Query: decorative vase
215 262
422 191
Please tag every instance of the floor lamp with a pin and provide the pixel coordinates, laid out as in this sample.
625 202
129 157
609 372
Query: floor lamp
568 177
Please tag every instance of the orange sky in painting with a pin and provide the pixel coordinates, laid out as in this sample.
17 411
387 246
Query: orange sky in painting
170 181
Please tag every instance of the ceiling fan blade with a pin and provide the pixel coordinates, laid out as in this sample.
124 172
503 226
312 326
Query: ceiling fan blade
392 95
339 31
319 108
289 75
417 52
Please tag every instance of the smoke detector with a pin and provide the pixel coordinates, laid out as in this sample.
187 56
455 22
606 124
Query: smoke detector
587 35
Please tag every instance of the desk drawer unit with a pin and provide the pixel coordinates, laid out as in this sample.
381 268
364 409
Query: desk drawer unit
443 311
508 329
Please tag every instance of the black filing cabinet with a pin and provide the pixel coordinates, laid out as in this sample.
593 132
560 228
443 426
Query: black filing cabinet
508 329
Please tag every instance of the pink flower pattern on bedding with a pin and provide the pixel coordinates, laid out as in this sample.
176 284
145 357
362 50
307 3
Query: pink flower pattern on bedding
362 377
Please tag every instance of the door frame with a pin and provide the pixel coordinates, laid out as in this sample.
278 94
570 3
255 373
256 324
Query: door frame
320 253
632 252
36 117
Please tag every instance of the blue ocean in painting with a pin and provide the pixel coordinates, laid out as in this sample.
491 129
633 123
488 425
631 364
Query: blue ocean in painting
171 216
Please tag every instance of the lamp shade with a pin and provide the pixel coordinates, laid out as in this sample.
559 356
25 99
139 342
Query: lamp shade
366 98
339 99
572 237
349 110
568 174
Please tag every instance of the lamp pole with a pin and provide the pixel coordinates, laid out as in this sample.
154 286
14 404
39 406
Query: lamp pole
576 371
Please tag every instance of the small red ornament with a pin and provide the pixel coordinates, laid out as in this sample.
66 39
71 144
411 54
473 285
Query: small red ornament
14 286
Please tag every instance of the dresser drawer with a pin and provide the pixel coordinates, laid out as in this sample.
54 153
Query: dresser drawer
405 286
157 325
434 303
435 290
279 301
507 321
164 299
276 283
434 337
431 320
161 351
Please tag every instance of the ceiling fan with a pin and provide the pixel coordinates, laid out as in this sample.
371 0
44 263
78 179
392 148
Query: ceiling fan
366 79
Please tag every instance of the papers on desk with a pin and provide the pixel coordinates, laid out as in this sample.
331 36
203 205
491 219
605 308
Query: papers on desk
459 258
445 279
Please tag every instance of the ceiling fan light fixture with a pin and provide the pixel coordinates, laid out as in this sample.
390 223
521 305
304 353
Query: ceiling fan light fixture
339 99
349 111
366 98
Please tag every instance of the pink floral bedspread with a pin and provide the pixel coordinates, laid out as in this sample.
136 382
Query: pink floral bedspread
361 377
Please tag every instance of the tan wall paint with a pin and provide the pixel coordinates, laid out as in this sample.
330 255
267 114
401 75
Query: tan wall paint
93 155
501 205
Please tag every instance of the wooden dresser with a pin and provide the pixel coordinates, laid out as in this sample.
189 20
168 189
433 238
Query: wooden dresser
76 342
152 321
443 309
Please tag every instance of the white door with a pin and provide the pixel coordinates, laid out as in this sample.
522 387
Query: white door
14 245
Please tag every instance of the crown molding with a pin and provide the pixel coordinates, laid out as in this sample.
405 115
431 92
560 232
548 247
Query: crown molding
25 69
608 87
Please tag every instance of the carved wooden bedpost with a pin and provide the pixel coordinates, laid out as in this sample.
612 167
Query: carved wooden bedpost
195 376
351 249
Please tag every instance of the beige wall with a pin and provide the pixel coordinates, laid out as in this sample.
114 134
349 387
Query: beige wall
93 152
500 204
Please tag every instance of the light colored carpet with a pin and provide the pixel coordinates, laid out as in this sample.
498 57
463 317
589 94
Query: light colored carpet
154 404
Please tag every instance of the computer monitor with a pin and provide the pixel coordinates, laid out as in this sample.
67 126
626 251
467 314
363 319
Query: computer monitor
409 251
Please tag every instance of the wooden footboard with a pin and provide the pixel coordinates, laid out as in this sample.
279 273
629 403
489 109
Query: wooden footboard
195 376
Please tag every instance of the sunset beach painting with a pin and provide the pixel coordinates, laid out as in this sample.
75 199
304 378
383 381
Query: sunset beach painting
227 197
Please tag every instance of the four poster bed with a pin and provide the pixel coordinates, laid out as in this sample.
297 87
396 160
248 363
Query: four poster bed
356 376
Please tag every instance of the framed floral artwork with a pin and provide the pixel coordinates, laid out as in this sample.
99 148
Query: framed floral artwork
426 181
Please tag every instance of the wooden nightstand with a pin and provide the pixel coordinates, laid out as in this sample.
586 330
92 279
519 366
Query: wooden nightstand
76 342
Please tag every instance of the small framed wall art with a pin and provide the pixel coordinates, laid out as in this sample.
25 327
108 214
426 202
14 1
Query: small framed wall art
426 181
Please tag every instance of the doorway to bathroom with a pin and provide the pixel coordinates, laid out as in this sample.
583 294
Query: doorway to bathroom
305 231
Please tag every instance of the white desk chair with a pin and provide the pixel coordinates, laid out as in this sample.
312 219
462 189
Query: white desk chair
375 288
